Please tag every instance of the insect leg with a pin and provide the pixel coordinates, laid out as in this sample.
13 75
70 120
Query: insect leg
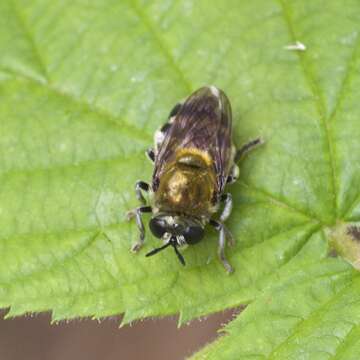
139 187
223 233
234 174
228 205
246 148
150 153
137 214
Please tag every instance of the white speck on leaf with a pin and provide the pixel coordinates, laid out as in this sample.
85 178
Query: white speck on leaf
297 182
298 46
138 77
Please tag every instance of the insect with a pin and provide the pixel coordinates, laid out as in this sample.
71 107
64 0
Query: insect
194 158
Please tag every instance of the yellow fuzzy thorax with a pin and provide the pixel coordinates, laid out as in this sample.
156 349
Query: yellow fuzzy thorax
187 184
185 153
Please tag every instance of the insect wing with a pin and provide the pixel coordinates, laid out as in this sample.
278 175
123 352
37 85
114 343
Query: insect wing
202 122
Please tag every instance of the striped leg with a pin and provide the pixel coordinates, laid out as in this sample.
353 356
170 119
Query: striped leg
137 214
223 234
246 148
141 186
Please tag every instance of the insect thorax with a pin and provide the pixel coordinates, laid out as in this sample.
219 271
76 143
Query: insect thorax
187 185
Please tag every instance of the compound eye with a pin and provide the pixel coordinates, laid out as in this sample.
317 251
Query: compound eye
157 227
193 234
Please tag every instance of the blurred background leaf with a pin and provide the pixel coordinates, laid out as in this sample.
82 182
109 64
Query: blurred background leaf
83 86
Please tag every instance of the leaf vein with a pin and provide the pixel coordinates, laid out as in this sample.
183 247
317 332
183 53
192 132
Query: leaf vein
28 36
352 335
319 103
314 314
279 202
122 124
141 14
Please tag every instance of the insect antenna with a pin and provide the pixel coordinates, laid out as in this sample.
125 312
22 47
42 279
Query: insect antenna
180 257
156 250
173 243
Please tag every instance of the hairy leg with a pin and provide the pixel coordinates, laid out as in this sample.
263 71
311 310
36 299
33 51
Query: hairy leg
137 214
223 233
141 186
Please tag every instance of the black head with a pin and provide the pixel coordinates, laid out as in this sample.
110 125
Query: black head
175 231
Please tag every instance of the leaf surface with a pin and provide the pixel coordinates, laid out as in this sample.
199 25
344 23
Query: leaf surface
83 86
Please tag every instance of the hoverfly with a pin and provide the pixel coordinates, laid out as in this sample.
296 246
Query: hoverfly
194 158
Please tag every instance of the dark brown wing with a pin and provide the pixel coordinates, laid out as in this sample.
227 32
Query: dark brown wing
202 122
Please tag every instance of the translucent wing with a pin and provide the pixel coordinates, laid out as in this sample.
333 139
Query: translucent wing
202 122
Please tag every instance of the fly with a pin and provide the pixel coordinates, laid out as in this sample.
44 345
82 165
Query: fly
194 159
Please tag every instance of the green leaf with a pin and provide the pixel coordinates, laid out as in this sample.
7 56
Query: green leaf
83 86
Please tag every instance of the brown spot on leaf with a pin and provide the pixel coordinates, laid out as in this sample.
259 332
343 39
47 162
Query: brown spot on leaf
354 232
344 238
